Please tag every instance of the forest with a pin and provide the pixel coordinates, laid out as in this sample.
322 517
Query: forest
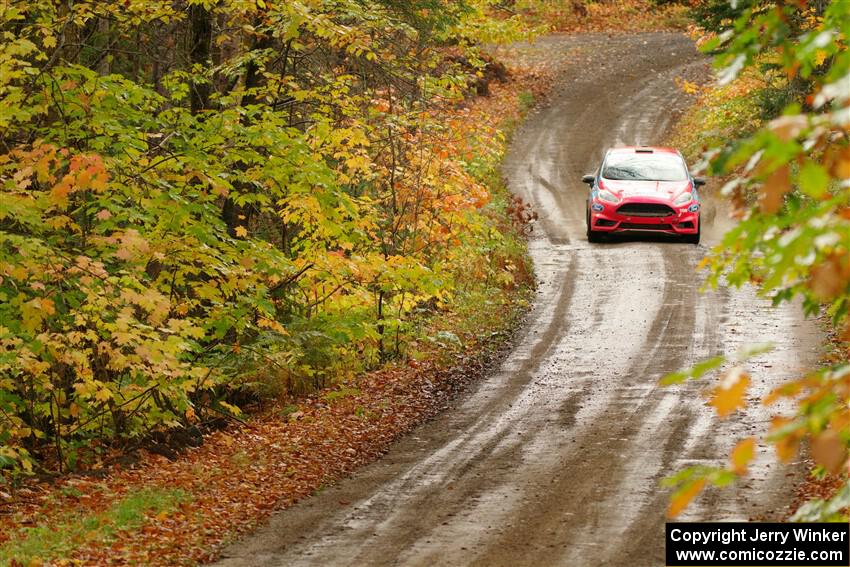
209 201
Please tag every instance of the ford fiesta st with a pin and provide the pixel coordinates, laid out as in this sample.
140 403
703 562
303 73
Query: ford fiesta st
639 189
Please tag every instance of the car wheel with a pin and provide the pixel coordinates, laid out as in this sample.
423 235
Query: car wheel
592 235
694 238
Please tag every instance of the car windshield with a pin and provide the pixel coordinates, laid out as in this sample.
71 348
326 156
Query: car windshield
644 167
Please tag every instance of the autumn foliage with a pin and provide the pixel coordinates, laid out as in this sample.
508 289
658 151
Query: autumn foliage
207 202
780 137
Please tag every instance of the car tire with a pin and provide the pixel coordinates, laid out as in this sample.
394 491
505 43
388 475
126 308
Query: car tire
593 236
694 238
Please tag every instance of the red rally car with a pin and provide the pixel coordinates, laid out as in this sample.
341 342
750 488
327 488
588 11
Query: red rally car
639 189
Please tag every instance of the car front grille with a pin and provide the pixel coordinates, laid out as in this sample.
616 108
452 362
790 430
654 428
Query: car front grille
644 226
645 210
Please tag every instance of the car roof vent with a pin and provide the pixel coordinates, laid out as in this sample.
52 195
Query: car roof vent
643 150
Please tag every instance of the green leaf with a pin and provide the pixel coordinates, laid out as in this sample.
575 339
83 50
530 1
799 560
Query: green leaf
697 371
813 179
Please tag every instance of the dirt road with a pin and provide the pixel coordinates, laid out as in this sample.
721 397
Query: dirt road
556 458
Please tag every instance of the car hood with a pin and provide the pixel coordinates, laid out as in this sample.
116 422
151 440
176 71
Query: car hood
657 189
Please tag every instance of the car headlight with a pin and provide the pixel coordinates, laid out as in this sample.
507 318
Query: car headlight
683 198
607 196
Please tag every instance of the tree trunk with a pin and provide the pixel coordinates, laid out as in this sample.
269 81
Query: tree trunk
233 214
199 53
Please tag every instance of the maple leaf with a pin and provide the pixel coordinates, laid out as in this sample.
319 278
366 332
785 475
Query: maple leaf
788 443
123 338
774 188
124 253
241 231
787 128
99 179
742 454
103 395
829 278
841 166
829 450
729 396
59 193
48 306
32 314
682 497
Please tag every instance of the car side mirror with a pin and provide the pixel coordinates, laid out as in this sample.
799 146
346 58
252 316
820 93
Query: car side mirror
589 179
699 181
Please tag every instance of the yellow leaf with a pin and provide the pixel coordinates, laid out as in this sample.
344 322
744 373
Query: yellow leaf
742 454
231 408
31 315
689 87
271 324
123 338
102 395
241 231
84 388
730 394
683 497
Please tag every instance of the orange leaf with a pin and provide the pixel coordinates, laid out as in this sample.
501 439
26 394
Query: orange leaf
730 394
829 451
742 454
774 189
98 182
48 306
788 127
786 447
829 278
787 390
60 191
841 165
683 497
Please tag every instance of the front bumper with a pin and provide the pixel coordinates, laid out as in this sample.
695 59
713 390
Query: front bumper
681 221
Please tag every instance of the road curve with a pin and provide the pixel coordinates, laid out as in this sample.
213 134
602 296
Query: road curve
556 458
